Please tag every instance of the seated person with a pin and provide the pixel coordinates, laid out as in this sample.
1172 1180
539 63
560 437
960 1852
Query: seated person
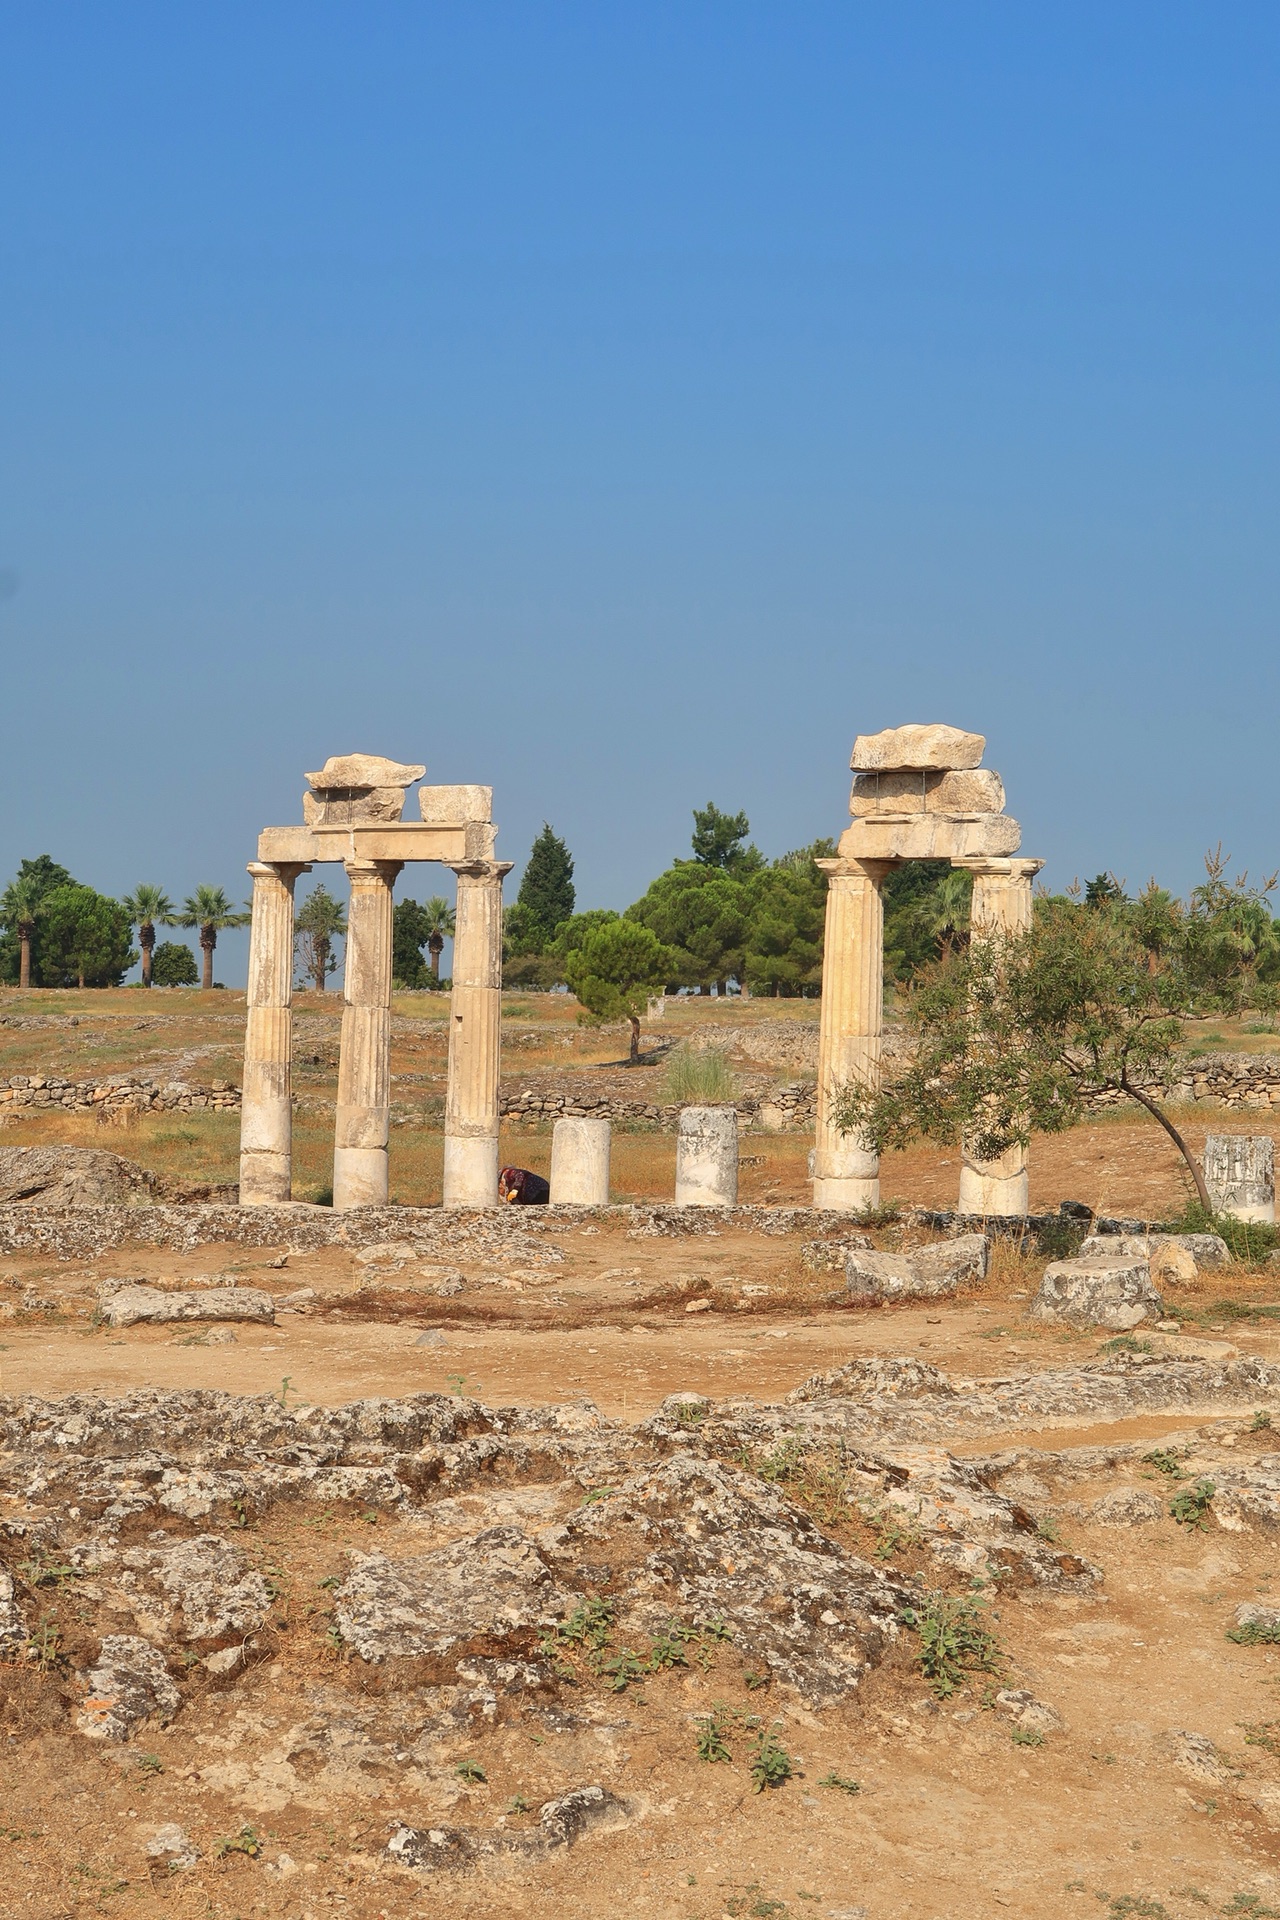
517 1187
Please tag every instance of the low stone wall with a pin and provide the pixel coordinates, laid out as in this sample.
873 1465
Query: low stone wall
1240 1080
788 1109
36 1093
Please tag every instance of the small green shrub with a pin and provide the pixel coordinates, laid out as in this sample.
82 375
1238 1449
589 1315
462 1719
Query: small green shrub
1164 1461
1060 1238
1261 1420
770 1761
471 1772
1191 1505
1249 1241
173 965
954 1640
840 1783
1255 1633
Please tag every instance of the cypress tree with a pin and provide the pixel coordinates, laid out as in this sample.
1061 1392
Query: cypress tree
547 892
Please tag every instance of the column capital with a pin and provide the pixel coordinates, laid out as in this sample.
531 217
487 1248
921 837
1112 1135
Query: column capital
286 870
387 870
843 868
491 870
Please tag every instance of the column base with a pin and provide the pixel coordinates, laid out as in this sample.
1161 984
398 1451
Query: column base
846 1194
266 1179
580 1163
470 1170
1266 1212
993 1195
360 1177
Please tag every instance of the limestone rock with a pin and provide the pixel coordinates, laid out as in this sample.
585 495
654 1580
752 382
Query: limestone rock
1105 1290
935 746
1174 1258
12 1631
828 1256
1265 1619
931 836
1195 1755
1126 1507
451 806
346 809
561 1822
128 1305
489 1586
342 772
58 1177
981 790
926 1274
173 1847
712 1543
202 1588
1016 1704
127 1687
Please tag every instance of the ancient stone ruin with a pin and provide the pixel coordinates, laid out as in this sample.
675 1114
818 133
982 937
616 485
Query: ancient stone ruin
353 814
919 793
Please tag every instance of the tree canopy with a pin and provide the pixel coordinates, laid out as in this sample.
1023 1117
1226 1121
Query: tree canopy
547 895
84 939
614 970
718 841
702 914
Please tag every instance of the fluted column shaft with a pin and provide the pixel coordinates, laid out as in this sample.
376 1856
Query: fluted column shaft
1001 910
475 1021
360 1175
846 1172
266 1101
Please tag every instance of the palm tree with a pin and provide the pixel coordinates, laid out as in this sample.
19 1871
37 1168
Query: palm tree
147 907
209 909
438 917
321 919
20 907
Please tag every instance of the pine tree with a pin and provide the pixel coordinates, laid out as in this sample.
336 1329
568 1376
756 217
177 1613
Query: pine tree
547 893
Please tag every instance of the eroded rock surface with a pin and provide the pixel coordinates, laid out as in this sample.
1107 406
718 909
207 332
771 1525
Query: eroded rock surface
129 1686
127 1306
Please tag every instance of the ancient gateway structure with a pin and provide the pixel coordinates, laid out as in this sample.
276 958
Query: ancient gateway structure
919 793
353 814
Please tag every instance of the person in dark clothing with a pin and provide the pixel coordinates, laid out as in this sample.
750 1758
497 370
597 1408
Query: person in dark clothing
517 1187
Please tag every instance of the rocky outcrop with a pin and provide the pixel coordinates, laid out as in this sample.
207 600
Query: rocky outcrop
926 1274
128 1305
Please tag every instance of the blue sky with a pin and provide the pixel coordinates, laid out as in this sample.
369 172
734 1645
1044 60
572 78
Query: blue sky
625 405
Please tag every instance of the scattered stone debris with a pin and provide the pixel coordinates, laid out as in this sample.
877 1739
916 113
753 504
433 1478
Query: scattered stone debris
173 1847
1127 1507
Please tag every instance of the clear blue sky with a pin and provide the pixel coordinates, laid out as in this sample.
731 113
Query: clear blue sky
627 404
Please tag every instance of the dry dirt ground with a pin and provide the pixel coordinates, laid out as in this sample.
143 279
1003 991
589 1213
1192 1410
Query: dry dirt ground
683 1548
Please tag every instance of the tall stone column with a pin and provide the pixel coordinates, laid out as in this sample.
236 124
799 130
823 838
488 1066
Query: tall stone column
266 1102
1001 909
846 1172
475 1021
364 1065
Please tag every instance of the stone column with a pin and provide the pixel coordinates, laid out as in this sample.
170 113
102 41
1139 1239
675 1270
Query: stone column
364 1064
266 1102
846 1172
707 1157
1240 1173
475 1023
1001 908
580 1162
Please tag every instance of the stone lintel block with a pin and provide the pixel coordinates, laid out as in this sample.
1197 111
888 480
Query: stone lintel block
934 747
930 836
363 770
451 806
390 840
981 790
341 807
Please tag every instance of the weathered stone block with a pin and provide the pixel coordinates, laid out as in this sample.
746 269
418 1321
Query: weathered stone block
448 806
931 747
925 1274
980 790
1172 1257
129 1305
1101 1291
1240 1173
352 806
707 1157
129 1686
363 770
930 836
